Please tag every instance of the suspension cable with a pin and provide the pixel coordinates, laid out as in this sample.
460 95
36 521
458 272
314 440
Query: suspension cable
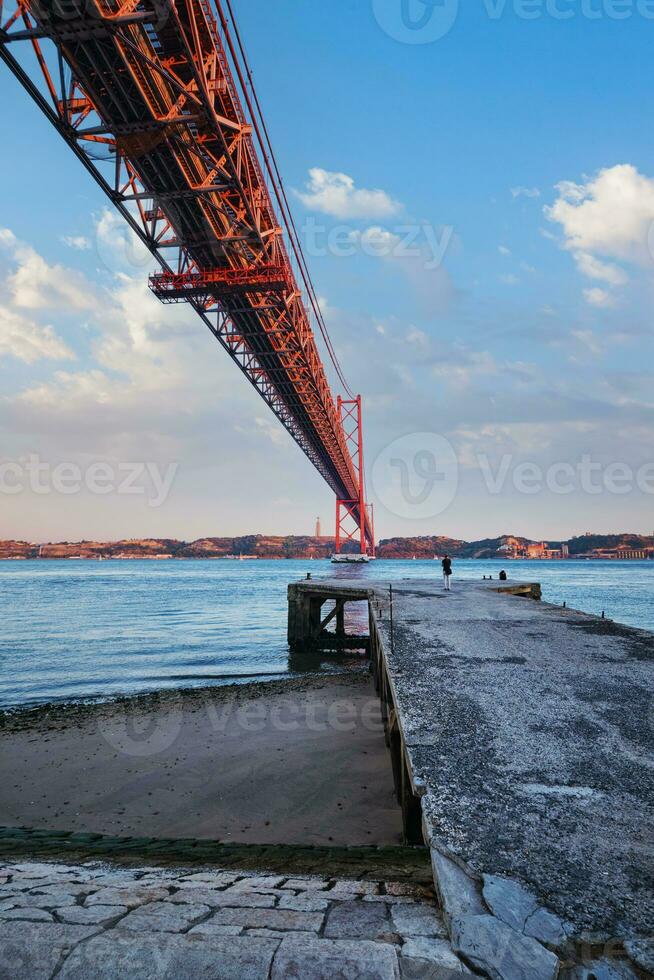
260 127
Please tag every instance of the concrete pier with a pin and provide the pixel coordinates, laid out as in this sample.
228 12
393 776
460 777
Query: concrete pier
308 623
521 741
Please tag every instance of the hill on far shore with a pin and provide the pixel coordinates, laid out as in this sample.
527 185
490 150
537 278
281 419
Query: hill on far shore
271 546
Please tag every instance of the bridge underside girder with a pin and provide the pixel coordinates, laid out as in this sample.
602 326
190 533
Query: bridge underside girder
145 95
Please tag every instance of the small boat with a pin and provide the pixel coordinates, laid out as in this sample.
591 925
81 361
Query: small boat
350 559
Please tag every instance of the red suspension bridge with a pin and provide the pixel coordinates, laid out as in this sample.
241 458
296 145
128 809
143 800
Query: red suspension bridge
156 100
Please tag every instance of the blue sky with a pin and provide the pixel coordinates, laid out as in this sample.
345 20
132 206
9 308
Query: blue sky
514 150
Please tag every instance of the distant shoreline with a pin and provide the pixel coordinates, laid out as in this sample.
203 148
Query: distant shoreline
251 558
252 547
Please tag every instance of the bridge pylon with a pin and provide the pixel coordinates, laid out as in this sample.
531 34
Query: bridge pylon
354 517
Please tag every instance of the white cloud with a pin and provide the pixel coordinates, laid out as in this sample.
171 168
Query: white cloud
30 282
589 341
377 241
418 337
70 392
336 194
509 280
156 383
7 238
525 192
120 249
459 365
37 285
610 215
325 306
141 367
29 341
599 297
594 268
272 430
79 242
503 250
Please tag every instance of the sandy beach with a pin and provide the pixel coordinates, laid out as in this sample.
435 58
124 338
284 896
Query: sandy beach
301 761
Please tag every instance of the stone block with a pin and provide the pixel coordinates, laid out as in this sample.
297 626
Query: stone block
26 914
124 957
332 959
79 915
606 969
6 891
460 894
411 969
418 920
131 897
306 884
509 901
313 901
346 890
32 884
500 952
163 917
49 900
547 928
216 879
70 887
405 889
209 928
128 879
35 869
517 907
215 899
281 920
32 951
424 954
642 952
357 920
259 882
390 899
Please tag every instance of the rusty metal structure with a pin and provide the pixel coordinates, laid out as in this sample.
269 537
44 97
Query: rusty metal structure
155 98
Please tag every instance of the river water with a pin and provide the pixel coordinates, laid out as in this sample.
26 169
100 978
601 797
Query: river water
83 629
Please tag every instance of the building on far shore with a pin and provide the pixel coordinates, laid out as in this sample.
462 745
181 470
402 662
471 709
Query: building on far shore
542 550
619 554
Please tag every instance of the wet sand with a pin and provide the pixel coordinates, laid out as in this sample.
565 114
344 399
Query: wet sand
301 761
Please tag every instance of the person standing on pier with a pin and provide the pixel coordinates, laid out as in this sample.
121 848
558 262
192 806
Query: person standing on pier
447 572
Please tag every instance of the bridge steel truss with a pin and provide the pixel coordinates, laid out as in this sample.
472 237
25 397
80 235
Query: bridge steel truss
144 92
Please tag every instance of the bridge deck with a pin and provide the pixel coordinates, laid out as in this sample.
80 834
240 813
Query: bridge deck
524 733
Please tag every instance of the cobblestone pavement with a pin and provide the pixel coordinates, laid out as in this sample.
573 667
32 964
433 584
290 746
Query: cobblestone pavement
95 922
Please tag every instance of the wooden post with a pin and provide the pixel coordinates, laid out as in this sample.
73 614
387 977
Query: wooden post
340 619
